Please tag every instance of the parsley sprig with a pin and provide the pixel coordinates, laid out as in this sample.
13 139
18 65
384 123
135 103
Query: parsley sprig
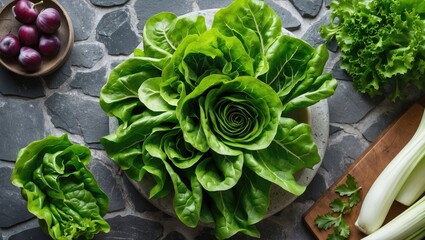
349 193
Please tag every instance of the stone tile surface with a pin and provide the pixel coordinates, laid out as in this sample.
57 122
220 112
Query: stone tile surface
108 3
67 101
90 82
115 31
82 15
131 227
13 208
146 9
21 121
78 115
307 8
13 85
86 55
30 234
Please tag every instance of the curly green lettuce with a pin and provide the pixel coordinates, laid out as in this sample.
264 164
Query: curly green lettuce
382 44
228 115
206 113
59 189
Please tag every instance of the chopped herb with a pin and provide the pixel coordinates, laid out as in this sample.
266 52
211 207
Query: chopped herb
349 193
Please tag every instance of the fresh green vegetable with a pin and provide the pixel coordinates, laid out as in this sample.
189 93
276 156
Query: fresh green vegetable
349 197
414 186
60 190
382 43
388 184
410 224
206 113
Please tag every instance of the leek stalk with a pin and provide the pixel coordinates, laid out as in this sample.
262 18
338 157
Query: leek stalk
414 186
410 224
385 188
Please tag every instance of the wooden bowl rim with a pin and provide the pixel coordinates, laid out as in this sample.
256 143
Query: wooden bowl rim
60 59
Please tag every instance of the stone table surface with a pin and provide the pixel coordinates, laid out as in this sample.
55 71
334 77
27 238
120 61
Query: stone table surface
67 101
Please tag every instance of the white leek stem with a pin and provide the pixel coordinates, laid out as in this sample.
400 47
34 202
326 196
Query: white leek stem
418 236
385 188
414 186
409 223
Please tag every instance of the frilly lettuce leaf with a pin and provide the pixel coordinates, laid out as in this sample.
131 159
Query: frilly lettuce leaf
204 113
61 192
164 32
382 44
255 24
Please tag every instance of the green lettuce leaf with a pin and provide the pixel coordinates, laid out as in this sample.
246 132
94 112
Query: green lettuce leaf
382 44
230 115
119 96
164 31
255 24
206 54
59 189
237 209
218 173
203 113
297 73
292 149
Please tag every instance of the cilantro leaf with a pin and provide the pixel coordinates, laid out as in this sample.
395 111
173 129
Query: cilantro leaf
354 199
350 189
343 229
349 193
338 205
327 220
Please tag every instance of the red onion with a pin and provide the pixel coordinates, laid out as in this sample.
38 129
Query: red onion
29 58
10 45
49 45
25 11
49 20
28 35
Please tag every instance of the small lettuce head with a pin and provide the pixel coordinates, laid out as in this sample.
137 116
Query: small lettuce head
229 115
60 190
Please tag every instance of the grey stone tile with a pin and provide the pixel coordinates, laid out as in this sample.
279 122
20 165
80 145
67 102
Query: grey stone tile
339 73
174 236
90 82
13 207
342 151
82 16
21 122
15 85
30 234
86 54
115 31
307 8
289 22
327 2
208 4
146 9
108 184
349 106
60 76
315 189
78 115
287 223
206 234
333 129
141 204
312 35
380 124
131 227
108 3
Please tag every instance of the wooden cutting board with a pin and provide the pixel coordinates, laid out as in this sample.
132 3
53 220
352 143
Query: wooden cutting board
367 168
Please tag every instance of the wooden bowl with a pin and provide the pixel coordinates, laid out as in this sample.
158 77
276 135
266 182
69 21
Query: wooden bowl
8 24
